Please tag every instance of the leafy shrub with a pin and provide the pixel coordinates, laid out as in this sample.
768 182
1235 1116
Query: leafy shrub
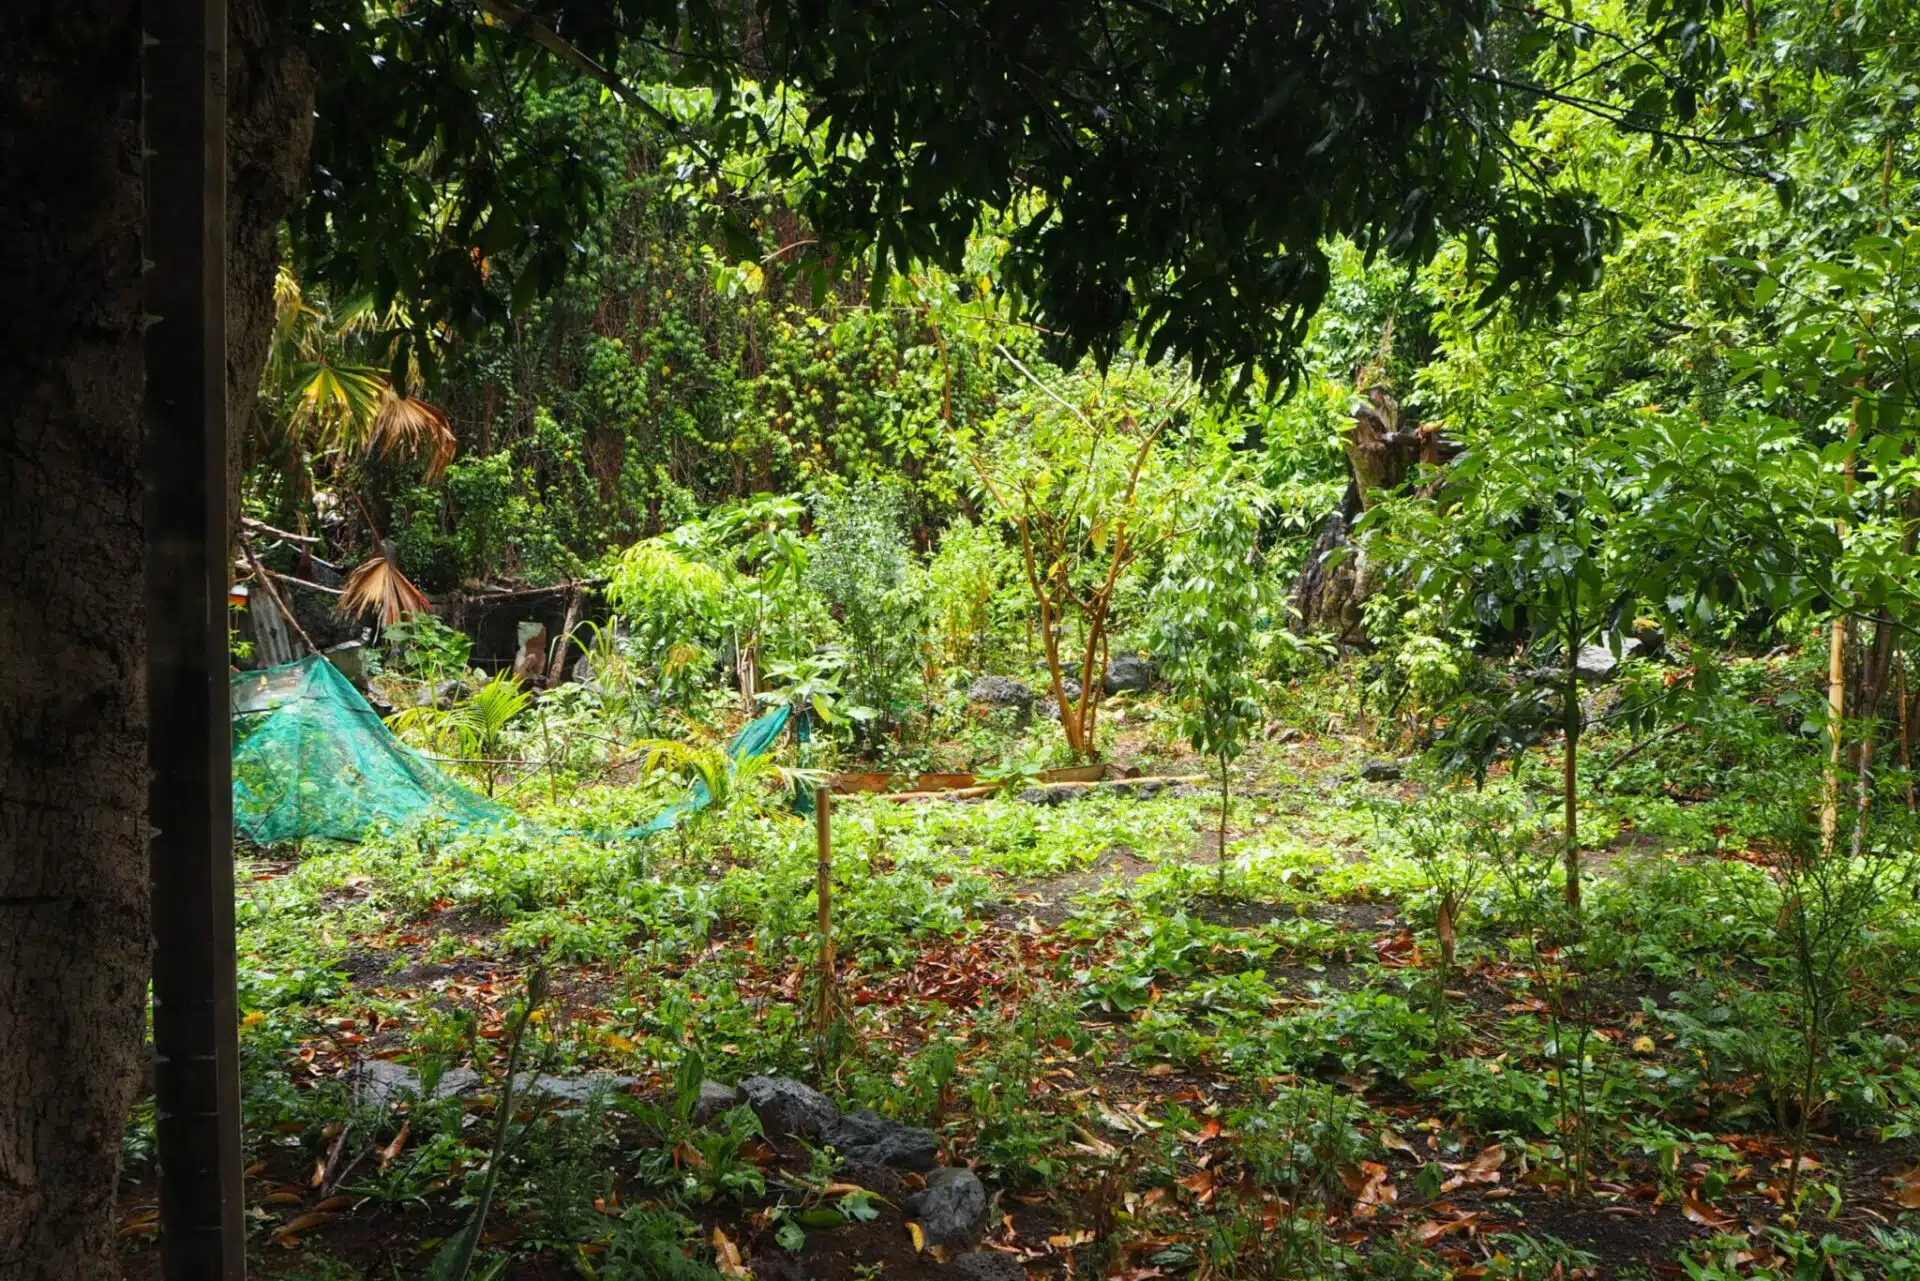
861 565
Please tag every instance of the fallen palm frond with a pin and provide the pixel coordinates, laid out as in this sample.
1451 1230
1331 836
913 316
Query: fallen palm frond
378 587
415 429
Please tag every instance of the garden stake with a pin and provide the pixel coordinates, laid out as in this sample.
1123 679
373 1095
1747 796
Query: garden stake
823 890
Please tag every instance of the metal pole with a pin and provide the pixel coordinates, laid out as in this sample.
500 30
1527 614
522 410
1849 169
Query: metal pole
195 1035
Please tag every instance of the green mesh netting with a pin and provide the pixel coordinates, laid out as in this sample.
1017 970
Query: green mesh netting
755 738
310 758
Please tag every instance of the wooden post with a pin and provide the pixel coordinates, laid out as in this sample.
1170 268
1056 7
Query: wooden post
1836 718
823 890
190 736
1569 782
1837 675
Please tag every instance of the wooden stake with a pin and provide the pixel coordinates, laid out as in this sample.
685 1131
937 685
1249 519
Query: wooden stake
261 576
1906 726
1836 713
1837 679
1569 782
823 890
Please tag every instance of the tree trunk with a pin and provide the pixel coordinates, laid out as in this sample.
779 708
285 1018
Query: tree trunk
73 880
1381 455
269 135
74 913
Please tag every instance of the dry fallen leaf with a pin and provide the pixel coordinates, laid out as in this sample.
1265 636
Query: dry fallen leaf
1200 1183
145 1223
844 1189
726 1256
395 1148
1432 1230
1388 1139
915 1235
1700 1212
1370 1189
1906 1188
293 1227
1484 1168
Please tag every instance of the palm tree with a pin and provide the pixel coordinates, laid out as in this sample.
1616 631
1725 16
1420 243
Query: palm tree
472 732
326 394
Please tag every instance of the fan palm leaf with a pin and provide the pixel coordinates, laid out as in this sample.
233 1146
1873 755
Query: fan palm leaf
415 429
341 400
378 587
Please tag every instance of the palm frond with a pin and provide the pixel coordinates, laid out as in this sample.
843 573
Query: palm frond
378 586
340 399
291 311
415 429
494 704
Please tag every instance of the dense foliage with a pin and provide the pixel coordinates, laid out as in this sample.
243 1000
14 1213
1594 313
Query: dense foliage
1005 406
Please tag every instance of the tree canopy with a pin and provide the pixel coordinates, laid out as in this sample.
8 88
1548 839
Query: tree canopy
1167 176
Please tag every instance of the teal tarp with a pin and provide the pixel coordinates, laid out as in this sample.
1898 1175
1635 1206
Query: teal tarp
756 738
312 759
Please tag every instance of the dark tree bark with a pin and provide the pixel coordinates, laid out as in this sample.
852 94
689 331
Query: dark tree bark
1382 452
73 861
269 133
74 914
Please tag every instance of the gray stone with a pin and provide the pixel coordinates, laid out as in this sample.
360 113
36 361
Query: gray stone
381 1083
1291 734
986 1265
460 1080
1049 706
1128 674
1597 663
787 1107
952 1210
1001 691
868 1138
572 1089
1380 771
1177 1257
715 1097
